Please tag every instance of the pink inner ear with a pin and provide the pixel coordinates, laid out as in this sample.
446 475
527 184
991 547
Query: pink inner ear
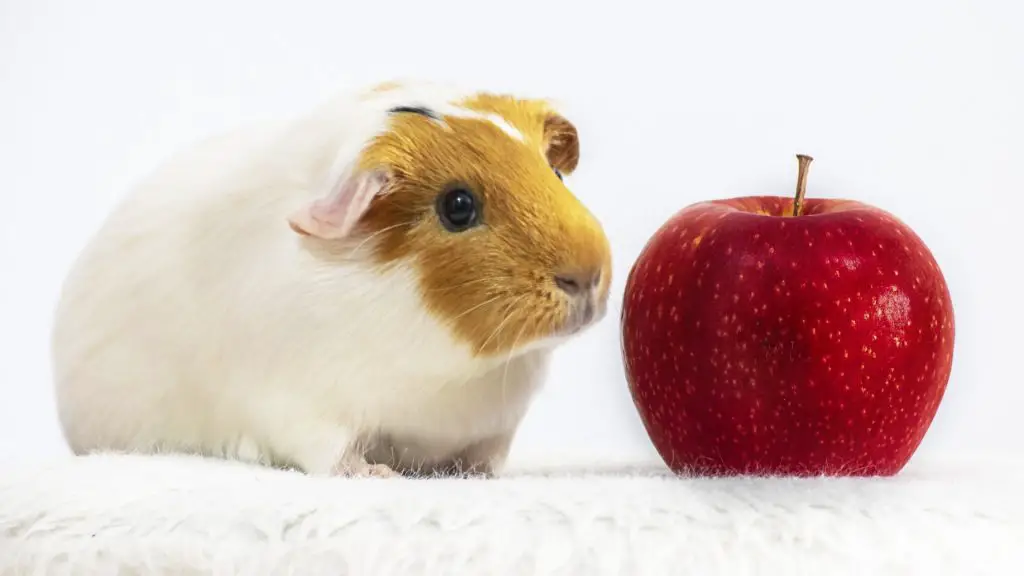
335 216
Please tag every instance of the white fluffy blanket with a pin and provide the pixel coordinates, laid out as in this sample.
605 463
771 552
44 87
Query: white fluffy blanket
175 515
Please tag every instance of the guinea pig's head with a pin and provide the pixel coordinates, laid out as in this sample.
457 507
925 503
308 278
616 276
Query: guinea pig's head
470 193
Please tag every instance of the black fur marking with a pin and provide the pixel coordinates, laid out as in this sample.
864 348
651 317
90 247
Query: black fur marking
422 111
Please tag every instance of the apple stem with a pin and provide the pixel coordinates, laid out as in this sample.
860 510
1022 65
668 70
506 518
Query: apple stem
801 183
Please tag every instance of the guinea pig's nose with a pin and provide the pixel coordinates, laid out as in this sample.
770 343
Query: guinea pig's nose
576 283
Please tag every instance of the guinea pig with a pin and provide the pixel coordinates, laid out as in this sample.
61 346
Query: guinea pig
372 288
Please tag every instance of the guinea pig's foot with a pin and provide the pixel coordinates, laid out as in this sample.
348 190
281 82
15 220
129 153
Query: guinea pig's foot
363 469
378 471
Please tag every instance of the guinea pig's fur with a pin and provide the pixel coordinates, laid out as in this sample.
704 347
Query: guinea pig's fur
289 296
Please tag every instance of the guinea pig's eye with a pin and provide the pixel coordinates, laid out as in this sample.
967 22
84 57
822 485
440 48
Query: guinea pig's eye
458 209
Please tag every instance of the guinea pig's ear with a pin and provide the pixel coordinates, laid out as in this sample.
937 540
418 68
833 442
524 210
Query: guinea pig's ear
334 216
561 143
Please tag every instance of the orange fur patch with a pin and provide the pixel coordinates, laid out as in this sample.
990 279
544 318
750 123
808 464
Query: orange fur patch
494 283
384 87
544 127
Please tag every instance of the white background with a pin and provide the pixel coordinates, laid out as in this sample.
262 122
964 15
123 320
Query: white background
917 107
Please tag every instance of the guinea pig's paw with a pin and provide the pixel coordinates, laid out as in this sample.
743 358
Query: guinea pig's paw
378 471
363 469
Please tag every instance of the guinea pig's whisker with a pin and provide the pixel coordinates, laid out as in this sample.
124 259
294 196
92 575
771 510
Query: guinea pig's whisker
466 381
508 361
491 279
508 316
484 303
377 233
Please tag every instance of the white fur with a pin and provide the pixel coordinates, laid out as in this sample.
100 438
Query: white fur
496 119
441 98
180 516
196 321
509 129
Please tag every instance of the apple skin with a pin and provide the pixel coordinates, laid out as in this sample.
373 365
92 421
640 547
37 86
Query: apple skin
761 344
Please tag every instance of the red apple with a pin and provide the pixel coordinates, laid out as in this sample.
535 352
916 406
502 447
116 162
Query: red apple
775 336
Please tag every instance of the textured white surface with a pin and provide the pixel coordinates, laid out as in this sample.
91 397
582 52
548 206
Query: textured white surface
173 515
